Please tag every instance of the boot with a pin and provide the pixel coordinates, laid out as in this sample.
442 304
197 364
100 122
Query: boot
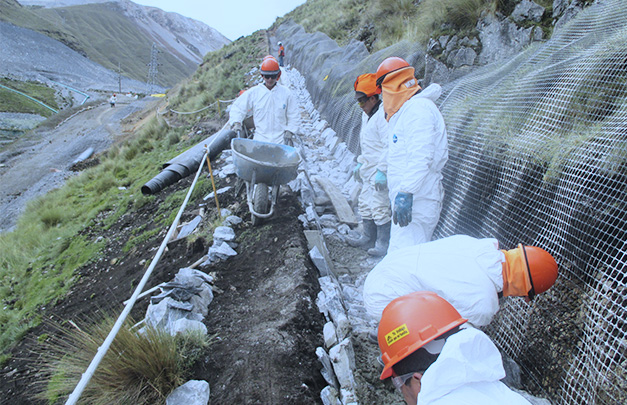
383 240
366 240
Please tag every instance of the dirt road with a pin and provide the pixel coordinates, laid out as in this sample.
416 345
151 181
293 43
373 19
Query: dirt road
40 161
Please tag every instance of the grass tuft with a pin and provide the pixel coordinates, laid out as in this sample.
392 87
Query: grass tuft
140 367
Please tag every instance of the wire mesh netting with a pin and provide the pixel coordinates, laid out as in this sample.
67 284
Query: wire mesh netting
537 155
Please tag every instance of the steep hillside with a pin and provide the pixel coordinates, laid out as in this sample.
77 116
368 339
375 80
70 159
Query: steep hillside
381 23
119 35
31 56
185 36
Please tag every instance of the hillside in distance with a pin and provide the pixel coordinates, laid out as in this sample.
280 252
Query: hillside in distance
120 35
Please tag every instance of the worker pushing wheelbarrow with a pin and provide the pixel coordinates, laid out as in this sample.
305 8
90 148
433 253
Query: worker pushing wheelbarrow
264 167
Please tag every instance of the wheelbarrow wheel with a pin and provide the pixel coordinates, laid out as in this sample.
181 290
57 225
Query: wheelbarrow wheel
261 202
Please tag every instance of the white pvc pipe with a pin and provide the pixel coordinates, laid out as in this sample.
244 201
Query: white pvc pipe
102 350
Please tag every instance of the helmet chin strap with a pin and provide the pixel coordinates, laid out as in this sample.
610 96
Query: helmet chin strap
516 279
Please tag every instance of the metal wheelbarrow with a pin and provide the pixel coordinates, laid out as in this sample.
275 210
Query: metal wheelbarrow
263 166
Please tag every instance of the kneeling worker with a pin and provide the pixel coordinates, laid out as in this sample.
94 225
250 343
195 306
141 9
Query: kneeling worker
433 358
469 273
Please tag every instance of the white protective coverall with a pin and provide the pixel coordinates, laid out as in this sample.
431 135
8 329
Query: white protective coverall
467 372
274 112
418 150
373 139
465 271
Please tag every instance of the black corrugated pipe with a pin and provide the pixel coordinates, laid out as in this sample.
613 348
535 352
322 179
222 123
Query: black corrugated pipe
187 162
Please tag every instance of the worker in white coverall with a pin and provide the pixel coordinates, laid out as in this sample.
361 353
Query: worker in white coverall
417 152
374 203
274 108
434 358
469 273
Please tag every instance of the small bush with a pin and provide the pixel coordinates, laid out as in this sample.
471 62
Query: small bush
140 367
105 182
128 152
173 138
52 216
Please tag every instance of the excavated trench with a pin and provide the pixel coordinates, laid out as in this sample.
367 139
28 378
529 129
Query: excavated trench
264 321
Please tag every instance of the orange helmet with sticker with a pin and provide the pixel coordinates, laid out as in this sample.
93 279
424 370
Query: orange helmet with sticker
411 321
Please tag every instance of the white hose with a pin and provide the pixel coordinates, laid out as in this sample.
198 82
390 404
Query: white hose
102 350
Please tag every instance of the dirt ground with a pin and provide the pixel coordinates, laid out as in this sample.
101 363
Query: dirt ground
264 321
41 160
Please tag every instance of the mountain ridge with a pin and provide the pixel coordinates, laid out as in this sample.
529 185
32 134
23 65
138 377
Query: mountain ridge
119 35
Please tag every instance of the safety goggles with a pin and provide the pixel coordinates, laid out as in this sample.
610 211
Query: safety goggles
362 100
401 380
270 77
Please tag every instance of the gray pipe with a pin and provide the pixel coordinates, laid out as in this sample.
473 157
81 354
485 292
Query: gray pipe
73 89
188 162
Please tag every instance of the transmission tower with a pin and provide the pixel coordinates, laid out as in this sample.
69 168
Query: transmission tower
153 68
119 78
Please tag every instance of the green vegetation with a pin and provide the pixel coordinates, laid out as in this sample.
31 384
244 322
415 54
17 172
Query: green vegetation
107 37
139 368
40 257
14 102
221 76
12 12
382 23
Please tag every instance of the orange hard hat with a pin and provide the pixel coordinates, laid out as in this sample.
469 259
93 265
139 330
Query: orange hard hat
389 65
528 271
367 84
270 66
542 268
410 322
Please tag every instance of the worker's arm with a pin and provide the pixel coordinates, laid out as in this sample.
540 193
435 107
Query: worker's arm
419 127
238 110
292 114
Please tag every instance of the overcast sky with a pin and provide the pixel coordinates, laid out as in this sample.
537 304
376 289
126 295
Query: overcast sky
233 18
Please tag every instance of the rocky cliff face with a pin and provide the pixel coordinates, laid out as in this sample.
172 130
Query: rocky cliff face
189 37
497 38
186 38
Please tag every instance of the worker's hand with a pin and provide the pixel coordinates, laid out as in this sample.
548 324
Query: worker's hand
380 181
237 127
356 172
402 208
288 138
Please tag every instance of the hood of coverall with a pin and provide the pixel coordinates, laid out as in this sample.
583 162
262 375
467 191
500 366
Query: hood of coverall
468 357
516 279
398 87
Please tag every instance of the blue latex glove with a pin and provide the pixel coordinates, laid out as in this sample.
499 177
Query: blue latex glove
356 172
402 208
380 181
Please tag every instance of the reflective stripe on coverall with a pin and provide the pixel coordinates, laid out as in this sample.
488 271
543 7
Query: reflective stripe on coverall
465 271
467 372
274 111
373 140
418 150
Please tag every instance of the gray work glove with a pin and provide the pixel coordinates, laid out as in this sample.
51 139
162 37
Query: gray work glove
288 138
237 127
